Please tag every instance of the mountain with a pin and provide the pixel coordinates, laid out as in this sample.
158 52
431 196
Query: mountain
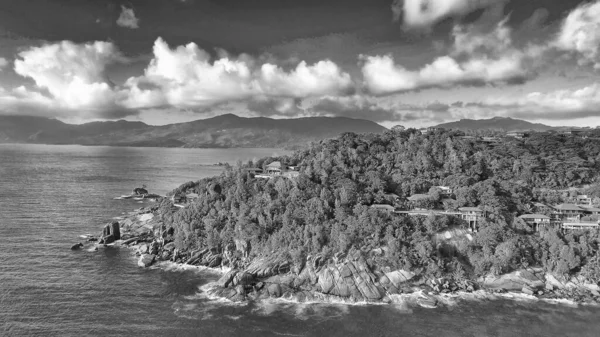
222 131
496 124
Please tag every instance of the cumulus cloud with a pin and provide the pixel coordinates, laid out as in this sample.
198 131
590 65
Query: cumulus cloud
73 75
187 76
580 33
3 63
425 13
127 19
559 104
476 58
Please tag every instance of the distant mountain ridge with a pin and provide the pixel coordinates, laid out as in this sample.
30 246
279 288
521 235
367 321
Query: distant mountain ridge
496 124
222 131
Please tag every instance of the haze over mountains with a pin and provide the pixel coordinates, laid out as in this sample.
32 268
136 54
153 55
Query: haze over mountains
496 124
222 131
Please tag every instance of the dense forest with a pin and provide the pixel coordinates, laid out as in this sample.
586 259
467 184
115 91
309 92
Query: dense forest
326 210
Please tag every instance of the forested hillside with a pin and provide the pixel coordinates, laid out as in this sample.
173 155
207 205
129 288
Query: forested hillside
326 210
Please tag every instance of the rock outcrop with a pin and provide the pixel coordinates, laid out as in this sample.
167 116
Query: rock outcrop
146 260
348 278
110 233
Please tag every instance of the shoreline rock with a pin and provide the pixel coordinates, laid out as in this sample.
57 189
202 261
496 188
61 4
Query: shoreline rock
348 279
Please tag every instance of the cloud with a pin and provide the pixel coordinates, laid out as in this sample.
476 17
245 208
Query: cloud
425 13
3 63
559 104
127 18
580 33
71 77
476 58
187 76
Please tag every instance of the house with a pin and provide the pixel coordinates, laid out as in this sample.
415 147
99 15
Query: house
418 197
590 210
253 170
391 197
425 131
472 215
444 190
537 221
580 225
516 134
387 208
275 168
583 200
574 132
569 210
490 139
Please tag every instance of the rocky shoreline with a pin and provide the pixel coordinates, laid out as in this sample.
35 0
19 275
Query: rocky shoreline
342 278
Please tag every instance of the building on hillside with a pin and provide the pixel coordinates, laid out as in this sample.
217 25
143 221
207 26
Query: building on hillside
418 197
573 132
291 174
583 200
537 221
382 207
430 129
490 139
569 210
391 197
472 215
444 190
580 225
516 134
275 168
590 210
253 170
426 212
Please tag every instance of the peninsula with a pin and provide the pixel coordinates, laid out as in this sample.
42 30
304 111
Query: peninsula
367 217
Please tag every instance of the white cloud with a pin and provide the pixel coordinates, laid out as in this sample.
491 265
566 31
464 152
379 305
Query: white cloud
3 63
559 104
580 33
476 58
127 18
425 13
187 77
72 74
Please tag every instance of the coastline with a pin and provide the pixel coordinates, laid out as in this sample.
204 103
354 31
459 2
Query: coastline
320 281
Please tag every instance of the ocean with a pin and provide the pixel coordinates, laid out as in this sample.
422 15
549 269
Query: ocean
49 195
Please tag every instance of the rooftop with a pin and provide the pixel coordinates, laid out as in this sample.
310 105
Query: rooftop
568 207
416 197
470 209
534 216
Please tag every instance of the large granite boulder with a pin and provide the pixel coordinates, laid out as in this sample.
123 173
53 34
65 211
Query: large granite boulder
146 260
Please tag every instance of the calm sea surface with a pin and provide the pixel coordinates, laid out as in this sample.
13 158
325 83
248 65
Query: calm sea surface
49 195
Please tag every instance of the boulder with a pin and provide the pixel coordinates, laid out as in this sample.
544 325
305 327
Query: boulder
77 246
227 279
169 246
243 278
274 290
146 260
115 230
108 239
143 249
128 241
527 290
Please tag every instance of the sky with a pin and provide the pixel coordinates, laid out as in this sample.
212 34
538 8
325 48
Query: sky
409 62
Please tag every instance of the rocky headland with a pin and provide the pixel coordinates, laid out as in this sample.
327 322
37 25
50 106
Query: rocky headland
347 278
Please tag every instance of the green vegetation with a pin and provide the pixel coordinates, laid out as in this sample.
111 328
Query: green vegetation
326 210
